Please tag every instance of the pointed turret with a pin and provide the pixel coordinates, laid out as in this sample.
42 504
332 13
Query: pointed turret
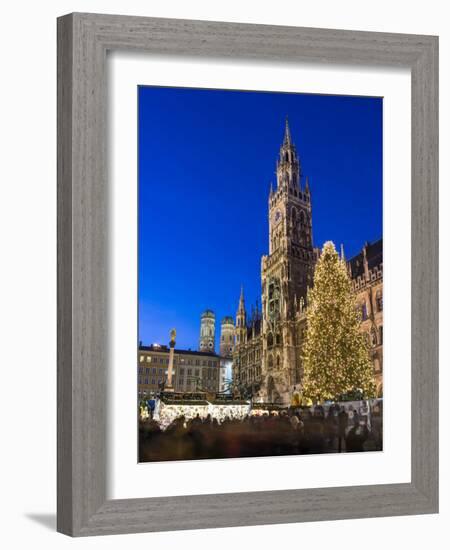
365 262
288 165
241 320
287 134
342 253
241 307
307 190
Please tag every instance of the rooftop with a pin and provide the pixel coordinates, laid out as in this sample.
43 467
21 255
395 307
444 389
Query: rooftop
208 313
165 349
374 254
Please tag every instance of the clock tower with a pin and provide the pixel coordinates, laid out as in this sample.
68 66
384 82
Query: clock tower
286 273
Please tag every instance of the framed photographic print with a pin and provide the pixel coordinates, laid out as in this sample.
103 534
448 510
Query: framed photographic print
247 274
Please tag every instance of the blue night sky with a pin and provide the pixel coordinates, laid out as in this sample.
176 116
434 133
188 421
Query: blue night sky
206 160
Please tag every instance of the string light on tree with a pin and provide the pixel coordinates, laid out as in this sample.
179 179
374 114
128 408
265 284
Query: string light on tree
335 353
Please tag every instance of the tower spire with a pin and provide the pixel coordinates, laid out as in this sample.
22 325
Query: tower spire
241 320
287 133
241 300
288 163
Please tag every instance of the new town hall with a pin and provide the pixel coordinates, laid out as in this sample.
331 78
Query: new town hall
264 348
267 350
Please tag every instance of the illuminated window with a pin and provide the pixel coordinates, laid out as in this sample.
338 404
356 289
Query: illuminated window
141 358
149 359
364 315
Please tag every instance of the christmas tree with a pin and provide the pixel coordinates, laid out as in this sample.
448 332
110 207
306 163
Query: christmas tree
335 353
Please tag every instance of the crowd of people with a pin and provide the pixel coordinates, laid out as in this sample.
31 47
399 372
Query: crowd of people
288 432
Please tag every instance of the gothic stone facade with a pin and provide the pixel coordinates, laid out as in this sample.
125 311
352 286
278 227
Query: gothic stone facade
366 272
267 355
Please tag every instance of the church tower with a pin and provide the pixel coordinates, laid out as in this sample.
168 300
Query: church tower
207 331
227 337
286 273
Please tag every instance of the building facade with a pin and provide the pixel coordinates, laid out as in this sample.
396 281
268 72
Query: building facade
192 370
366 272
267 361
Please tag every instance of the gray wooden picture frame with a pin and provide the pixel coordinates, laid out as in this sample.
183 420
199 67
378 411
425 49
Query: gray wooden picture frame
83 41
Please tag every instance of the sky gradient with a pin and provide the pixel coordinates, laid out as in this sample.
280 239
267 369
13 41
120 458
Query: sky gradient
206 160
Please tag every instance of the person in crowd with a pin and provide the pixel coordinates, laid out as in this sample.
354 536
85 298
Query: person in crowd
300 430
356 437
342 427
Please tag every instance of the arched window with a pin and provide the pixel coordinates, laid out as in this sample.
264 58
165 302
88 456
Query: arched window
302 218
373 336
380 331
379 300
278 360
278 339
294 215
270 362
269 340
364 312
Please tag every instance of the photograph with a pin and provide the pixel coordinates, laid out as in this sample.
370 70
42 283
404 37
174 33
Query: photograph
260 273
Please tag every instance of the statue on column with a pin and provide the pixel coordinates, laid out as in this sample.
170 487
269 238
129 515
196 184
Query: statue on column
169 386
173 334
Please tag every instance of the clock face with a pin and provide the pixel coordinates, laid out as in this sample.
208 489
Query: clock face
277 217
